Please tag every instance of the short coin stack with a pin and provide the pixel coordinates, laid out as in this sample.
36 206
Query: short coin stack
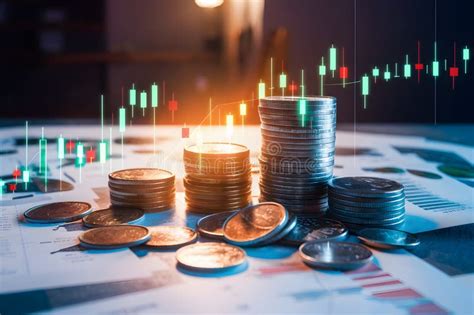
149 189
297 154
218 177
367 202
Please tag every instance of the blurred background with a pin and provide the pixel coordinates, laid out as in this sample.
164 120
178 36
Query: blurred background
57 57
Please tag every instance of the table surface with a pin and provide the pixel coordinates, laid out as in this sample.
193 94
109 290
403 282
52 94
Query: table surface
453 244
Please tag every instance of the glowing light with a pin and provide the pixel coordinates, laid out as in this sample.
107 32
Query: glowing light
26 176
154 95
261 90
332 59
407 69
209 3
465 57
365 88
243 109
122 120
102 152
386 74
229 126
143 101
61 148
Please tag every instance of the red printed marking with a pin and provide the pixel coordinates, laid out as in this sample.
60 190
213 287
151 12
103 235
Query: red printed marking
373 277
402 293
428 308
364 269
268 271
381 284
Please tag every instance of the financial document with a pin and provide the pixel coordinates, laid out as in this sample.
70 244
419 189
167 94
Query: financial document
46 260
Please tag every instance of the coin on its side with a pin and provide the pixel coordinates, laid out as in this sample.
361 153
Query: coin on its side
116 236
387 238
210 256
211 226
113 215
335 255
56 212
255 224
315 229
169 237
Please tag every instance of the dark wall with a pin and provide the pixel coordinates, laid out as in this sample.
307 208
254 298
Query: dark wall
37 81
383 32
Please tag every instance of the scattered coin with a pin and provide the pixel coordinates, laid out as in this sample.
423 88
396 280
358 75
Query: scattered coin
57 212
387 239
255 224
210 256
211 226
116 236
171 237
335 255
287 229
113 216
315 229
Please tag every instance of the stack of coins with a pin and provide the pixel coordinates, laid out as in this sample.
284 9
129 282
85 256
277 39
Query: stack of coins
367 202
149 189
297 154
218 177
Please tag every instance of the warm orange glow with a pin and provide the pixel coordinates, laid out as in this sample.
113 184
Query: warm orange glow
209 3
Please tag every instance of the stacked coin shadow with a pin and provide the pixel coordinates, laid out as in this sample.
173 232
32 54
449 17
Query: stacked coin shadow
149 189
297 153
367 202
218 177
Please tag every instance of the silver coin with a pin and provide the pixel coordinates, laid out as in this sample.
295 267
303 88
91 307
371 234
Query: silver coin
210 256
335 255
370 210
387 238
310 132
315 229
171 237
255 224
368 203
58 212
115 236
366 186
368 221
285 122
288 228
113 216
376 216
211 226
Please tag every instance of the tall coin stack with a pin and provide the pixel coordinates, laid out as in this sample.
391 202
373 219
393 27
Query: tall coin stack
149 189
218 177
297 154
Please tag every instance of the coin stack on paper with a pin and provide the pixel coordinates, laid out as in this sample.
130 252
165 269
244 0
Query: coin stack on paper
218 177
149 189
367 202
297 154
